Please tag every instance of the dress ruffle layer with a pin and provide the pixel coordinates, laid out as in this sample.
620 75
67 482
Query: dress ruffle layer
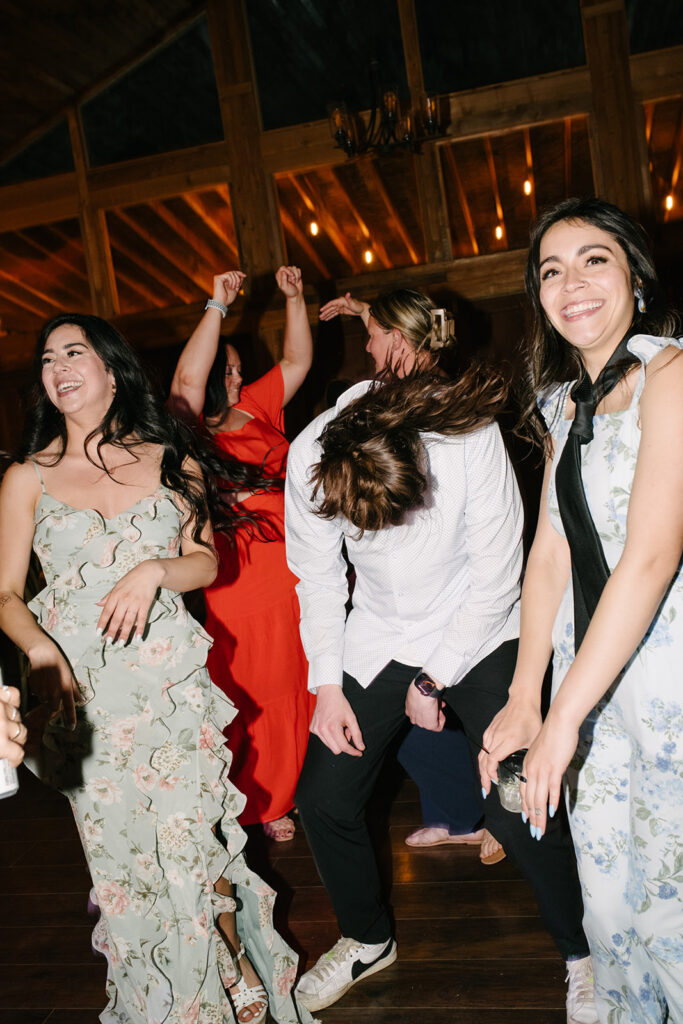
146 771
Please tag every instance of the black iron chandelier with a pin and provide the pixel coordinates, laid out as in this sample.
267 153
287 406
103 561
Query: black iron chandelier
387 129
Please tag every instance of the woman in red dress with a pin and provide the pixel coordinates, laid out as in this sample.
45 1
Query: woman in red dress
252 608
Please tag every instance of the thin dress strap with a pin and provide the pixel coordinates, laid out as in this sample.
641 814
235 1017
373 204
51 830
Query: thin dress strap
40 476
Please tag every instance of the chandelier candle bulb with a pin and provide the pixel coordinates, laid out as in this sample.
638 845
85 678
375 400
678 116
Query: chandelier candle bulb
669 202
527 187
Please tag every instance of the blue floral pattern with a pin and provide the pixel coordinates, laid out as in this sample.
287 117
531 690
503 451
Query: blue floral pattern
146 774
625 784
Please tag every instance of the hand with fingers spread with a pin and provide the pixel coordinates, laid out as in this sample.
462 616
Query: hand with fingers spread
546 761
12 730
335 724
126 607
226 286
514 728
289 282
53 681
345 305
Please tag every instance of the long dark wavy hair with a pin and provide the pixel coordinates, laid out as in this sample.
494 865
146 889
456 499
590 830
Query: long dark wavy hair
373 467
551 358
138 416
216 395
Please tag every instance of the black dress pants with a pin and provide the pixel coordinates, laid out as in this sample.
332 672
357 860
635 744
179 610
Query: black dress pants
334 790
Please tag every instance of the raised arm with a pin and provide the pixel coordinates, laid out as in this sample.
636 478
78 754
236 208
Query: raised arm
298 345
192 372
635 589
345 305
51 674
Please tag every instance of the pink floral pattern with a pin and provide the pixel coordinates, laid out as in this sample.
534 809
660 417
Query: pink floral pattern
146 774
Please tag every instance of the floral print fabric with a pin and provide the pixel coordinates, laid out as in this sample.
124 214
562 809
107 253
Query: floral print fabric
146 774
625 785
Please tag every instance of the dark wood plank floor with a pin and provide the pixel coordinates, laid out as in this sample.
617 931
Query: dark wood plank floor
471 946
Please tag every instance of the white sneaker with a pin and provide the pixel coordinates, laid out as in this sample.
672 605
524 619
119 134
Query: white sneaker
580 996
346 963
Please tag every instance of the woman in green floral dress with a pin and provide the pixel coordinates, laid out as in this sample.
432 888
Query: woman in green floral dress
110 492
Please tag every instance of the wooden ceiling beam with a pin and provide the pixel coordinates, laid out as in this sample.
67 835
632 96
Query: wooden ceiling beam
327 222
29 304
253 197
494 186
530 171
104 300
677 157
617 128
299 236
462 199
76 99
378 186
33 293
375 243
153 270
174 254
197 205
427 168
74 265
190 238
567 157
655 75
52 289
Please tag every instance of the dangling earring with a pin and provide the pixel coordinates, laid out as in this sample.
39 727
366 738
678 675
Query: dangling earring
641 300
113 387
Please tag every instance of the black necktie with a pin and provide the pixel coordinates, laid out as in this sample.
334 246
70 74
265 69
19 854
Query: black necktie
590 571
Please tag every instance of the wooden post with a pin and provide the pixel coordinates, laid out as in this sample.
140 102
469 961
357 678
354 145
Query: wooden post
96 248
428 173
617 127
252 190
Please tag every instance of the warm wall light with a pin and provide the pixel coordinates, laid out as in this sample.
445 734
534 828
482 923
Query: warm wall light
669 202
499 232
313 227
527 187
368 255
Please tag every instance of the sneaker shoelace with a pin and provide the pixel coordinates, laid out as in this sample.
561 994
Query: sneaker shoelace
580 978
343 949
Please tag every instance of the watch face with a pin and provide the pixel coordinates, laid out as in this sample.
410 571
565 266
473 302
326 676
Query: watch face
425 685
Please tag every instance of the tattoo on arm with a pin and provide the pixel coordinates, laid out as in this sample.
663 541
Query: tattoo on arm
4 599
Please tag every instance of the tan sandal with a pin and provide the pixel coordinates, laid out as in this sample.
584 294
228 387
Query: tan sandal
431 835
242 996
491 850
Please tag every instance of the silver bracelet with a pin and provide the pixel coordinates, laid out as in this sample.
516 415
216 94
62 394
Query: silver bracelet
215 304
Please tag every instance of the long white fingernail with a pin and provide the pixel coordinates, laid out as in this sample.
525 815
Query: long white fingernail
109 640
121 643
99 631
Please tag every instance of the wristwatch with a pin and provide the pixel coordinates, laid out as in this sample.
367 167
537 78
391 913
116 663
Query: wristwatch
426 686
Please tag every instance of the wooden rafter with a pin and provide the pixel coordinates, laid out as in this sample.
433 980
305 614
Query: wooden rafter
374 242
326 221
184 263
462 199
378 186
494 186
530 171
194 242
74 265
37 293
198 206
29 304
299 236
150 267
677 155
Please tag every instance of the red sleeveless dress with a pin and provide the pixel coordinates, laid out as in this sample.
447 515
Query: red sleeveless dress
253 615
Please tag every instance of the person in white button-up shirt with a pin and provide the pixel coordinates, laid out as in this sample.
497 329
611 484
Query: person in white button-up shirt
413 477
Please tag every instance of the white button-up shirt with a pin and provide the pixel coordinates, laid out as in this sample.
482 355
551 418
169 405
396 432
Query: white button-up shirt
440 591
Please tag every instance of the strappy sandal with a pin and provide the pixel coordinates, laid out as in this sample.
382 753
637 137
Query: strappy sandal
491 850
241 996
281 829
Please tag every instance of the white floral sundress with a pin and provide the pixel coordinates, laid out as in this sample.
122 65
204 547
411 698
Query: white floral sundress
625 786
146 774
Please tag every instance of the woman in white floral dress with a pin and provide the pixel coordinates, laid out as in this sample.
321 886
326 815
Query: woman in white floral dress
110 493
615 725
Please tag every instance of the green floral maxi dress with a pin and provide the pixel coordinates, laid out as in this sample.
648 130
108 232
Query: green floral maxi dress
146 774
625 785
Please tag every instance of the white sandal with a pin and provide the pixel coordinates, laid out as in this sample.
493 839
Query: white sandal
241 996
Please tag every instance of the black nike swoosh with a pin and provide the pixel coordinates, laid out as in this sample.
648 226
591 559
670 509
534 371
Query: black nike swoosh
358 967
